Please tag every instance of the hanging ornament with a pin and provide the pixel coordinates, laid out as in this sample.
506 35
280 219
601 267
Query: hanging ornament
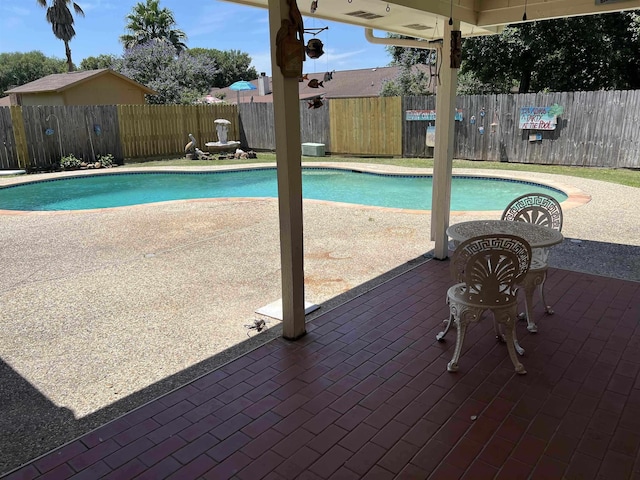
314 6
451 12
524 15
314 48
315 103
388 8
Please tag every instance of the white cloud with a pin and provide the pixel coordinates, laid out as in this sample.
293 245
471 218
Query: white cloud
99 5
333 56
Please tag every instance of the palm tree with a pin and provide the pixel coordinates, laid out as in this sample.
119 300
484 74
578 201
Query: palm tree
147 21
61 20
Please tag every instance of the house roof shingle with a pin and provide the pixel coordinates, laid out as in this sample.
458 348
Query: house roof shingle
366 82
58 82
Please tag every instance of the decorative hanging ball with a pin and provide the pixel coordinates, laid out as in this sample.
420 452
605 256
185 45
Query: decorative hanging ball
314 48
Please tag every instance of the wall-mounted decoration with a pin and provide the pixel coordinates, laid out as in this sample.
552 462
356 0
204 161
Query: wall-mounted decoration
535 137
472 120
481 129
540 118
431 136
48 132
290 48
429 115
97 129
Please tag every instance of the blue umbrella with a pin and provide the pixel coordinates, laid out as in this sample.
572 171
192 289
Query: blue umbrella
241 85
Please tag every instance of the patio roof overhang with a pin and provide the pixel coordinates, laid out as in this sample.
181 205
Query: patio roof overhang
422 19
415 18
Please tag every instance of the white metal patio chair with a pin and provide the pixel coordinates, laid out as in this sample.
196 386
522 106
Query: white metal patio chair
544 210
488 269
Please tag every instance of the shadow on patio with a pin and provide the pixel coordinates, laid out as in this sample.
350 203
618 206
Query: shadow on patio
366 394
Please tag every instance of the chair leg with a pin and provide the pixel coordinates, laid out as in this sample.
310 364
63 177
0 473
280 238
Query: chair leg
461 328
516 344
547 307
502 339
531 281
509 326
440 336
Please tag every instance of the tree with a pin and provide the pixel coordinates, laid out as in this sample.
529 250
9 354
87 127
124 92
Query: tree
147 22
101 61
178 78
411 81
233 65
578 53
61 20
19 68
401 55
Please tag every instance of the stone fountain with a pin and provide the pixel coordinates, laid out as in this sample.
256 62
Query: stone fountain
223 144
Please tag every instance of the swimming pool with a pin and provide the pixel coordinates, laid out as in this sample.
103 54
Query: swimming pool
338 185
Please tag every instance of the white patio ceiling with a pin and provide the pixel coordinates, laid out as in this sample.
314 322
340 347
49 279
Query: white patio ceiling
424 18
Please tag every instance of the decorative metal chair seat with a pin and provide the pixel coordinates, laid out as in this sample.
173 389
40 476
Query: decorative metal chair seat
544 210
488 269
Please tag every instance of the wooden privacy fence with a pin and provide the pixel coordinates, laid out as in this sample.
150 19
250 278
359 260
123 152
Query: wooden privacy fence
13 150
37 137
366 126
257 125
155 130
53 132
359 126
596 129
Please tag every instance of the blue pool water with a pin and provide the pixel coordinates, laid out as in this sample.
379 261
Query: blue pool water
120 189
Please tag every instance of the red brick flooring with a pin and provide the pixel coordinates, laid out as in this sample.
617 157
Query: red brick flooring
366 394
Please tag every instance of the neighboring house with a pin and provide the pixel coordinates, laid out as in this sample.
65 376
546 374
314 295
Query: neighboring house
89 87
367 82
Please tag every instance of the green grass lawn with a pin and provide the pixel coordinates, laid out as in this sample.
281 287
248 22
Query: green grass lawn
620 175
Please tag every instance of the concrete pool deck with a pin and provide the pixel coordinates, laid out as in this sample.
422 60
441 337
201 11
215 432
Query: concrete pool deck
103 310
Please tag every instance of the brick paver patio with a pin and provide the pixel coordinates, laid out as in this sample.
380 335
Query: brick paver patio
366 394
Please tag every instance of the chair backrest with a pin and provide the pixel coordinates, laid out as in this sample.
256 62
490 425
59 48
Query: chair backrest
537 208
491 266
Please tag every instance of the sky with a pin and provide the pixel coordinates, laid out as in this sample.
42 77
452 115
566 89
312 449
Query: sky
207 23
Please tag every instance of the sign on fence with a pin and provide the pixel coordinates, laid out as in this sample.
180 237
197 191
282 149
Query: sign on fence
412 115
539 118
431 136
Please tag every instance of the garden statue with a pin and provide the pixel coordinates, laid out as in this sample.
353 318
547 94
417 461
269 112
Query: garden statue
223 143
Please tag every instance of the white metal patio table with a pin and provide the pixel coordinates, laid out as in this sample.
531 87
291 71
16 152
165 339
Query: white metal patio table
539 238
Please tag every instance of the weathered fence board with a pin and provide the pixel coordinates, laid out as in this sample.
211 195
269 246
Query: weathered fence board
8 150
56 131
315 124
366 126
156 130
257 125
415 131
596 129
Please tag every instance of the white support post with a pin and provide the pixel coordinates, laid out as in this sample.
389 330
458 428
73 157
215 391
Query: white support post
443 152
286 107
